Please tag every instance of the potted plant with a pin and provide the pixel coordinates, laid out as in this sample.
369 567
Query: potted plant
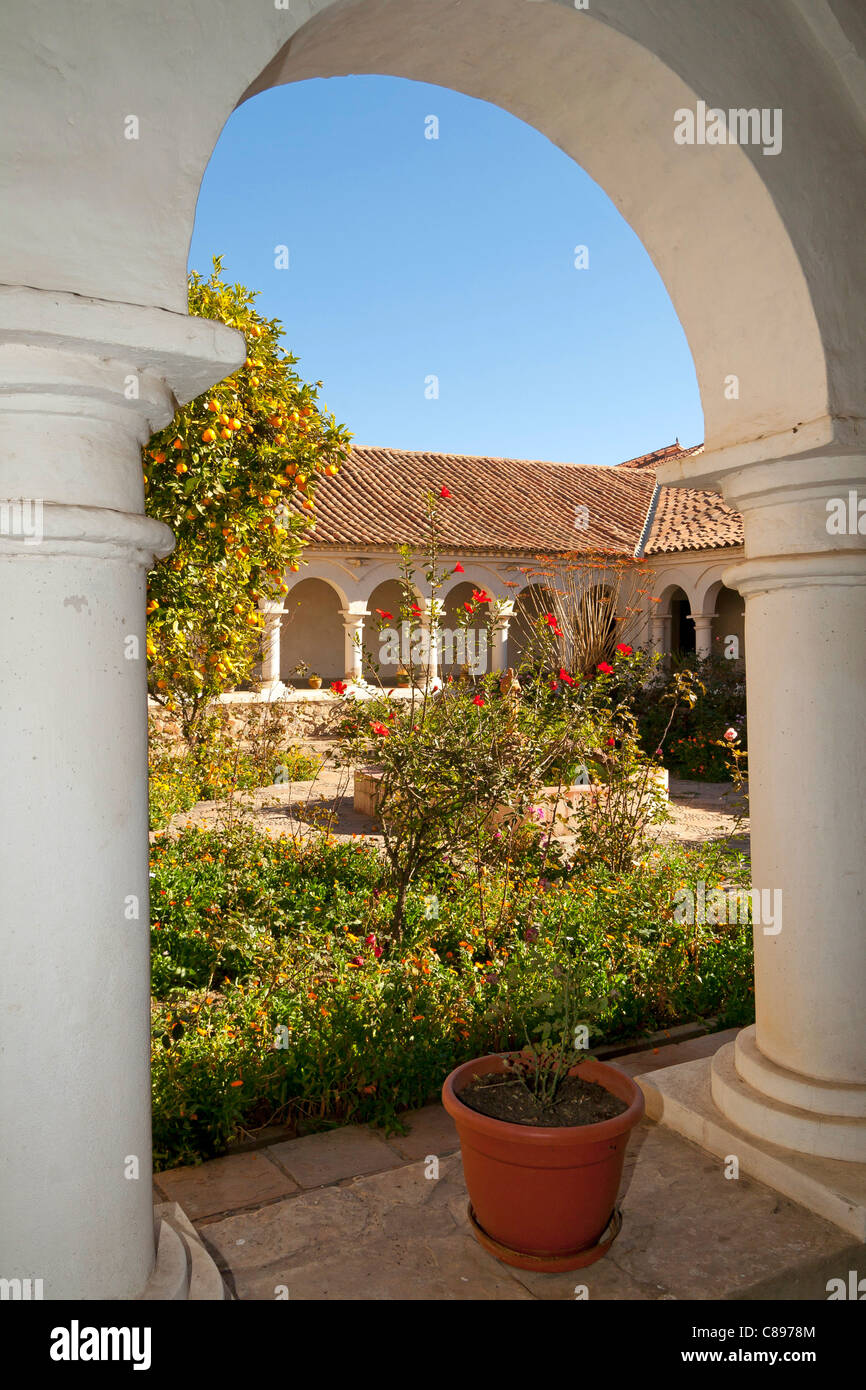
402 677
314 681
543 1134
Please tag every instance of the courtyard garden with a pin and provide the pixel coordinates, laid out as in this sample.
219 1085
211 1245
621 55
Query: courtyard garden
306 981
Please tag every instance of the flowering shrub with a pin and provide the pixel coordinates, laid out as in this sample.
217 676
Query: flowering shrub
692 748
220 763
278 996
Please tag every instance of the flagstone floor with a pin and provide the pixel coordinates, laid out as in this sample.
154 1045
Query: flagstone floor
352 1215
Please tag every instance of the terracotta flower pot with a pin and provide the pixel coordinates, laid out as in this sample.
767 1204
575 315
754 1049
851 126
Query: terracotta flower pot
543 1198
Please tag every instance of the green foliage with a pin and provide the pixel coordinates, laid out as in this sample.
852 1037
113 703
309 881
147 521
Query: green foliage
693 746
234 476
259 943
220 763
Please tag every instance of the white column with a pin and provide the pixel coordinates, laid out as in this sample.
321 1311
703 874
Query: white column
82 385
271 684
353 623
801 1071
703 633
499 654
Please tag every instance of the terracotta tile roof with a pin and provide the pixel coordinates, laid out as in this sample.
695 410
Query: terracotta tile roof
497 505
516 506
663 455
691 519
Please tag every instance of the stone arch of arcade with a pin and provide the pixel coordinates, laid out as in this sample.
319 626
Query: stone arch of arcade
763 271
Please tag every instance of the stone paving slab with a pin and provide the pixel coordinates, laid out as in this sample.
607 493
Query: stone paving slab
319 1159
389 1236
431 1131
671 1054
367 1218
225 1184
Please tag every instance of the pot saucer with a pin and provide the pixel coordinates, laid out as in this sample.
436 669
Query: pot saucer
549 1264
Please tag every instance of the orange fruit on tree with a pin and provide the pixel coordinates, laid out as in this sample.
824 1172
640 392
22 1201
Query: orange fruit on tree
177 443
225 433
159 458
213 406
209 436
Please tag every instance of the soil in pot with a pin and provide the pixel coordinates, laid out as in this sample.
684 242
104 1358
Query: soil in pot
508 1098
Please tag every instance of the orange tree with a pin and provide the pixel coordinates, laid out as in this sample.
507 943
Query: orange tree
234 476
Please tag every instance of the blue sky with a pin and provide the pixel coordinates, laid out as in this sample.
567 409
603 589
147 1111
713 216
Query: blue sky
451 257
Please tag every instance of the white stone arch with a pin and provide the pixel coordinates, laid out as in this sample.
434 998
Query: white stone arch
762 265
311 632
480 577
752 252
327 572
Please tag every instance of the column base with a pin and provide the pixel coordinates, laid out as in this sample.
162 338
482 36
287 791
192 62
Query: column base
682 1098
184 1269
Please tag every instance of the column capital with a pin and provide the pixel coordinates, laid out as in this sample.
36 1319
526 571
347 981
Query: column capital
768 572
96 532
83 386
188 354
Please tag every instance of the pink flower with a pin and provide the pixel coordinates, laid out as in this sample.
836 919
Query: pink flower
377 951
356 960
370 940
731 735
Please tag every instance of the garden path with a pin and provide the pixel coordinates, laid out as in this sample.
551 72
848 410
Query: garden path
702 811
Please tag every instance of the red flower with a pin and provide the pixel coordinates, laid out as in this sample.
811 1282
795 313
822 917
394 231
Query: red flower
444 492
458 569
470 607
564 676
554 685
624 649
377 951
480 596
384 615
415 611
603 666
356 960
370 940
478 700
611 742
339 687
380 730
